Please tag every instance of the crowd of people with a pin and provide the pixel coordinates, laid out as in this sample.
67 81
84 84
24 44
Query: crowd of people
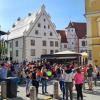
68 75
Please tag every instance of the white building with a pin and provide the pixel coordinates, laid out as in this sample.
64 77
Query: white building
83 45
33 36
63 46
72 39
76 37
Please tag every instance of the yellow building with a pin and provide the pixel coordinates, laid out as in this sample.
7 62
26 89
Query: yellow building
92 12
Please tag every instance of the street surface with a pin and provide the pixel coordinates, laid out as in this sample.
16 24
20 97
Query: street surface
88 95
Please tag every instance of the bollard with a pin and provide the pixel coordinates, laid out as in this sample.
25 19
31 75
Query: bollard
56 91
33 95
3 90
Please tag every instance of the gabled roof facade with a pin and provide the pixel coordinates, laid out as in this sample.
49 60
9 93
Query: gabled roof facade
24 26
63 36
80 29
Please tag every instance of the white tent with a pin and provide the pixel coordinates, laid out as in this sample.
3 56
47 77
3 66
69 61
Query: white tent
66 52
84 54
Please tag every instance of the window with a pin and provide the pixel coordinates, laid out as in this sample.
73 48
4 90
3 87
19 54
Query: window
44 27
36 32
68 30
44 51
48 27
56 51
44 20
56 43
44 43
44 34
86 43
32 42
16 44
50 33
51 43
11 45
83 43
90 54
51 51
32 52
3 52
11 54
65 46
39 25
16 53
72 43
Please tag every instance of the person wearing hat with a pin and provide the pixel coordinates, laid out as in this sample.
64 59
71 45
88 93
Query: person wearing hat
68 81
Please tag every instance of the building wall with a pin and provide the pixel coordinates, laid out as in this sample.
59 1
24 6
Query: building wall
64 46
92 9
13 49
40 37
46 31
82 45
72 39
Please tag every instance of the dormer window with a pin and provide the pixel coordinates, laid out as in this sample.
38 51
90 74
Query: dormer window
13 25
29 14
18 19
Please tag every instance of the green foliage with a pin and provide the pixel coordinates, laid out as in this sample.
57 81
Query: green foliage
2 49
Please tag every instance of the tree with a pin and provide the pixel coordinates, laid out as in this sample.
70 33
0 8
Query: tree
3 49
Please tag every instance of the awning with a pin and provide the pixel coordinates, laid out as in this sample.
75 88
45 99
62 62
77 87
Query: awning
84 54
66 57
66 52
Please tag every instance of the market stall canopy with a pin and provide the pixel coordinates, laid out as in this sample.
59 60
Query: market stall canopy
66 52
62 55
84 54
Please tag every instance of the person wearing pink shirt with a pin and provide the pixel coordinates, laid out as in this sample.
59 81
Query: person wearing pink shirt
79 80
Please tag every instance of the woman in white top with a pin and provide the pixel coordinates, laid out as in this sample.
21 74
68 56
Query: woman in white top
68 81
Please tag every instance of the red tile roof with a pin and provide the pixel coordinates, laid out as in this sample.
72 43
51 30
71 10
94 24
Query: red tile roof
63 36
80 28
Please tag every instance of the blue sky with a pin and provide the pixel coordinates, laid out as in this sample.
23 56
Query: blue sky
61 11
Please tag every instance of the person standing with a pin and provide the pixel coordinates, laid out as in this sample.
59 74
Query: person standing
79 80
3 72
35 82
28 81
44 78
68 82
90 76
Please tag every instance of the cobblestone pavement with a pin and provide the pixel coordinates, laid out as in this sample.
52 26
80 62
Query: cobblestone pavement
88 95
